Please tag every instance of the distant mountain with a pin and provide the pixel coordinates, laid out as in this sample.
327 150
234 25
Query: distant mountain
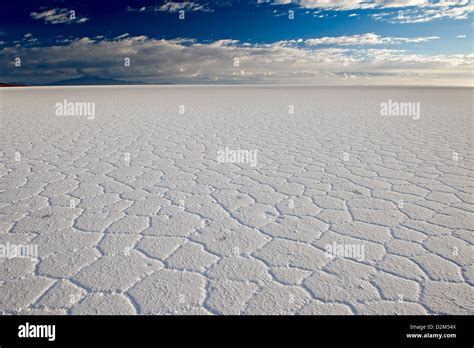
93 80
87 80
12 84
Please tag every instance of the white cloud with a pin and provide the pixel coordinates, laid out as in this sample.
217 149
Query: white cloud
366 39
414 11
121 36
172 7
344 5
427 14
185 60
461 36
58 16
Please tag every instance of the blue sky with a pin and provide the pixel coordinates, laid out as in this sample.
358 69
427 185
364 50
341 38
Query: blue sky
321 42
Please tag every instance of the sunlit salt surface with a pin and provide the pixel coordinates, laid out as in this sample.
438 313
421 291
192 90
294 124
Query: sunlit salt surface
236 200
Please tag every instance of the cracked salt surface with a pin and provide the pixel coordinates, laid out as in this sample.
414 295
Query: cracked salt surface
132 212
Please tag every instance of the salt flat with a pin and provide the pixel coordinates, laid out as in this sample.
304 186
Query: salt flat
132 211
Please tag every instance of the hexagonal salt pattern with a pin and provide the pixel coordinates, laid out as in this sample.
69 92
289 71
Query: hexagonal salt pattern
132 213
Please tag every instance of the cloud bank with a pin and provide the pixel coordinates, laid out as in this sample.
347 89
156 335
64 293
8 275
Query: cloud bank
188 61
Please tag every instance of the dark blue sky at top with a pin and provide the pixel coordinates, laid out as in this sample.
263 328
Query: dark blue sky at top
245 21
433 41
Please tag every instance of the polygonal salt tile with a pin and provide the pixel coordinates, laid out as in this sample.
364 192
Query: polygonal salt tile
357 229
298 206
334 216
389 308
147 206
346 282
389 218
113 186
100 168
169 292
321 308
288 275
464 235
160 247
170 210
336 245
191 257
126 172
26 205
443 197
327 202
304 229
189 186
60 187
239 269
198 199
96 222
455 221
18 194
43 224
267 197
370 203
404 248
468 273
227 297
65 264
285 253
396 288
427 228
103 304
236 239
232 199
99 202
177 225
16 267
411 189
256 215
192 311
403 267
290 189
87 190
19 293
14 238
116 272
439 268
394 197
409 235
62 295
54 214
63 241
129 224
448 298
42 311
118 243
136 195
276 299
416 212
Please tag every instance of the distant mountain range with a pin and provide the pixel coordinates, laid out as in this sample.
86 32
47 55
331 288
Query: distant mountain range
87 80
93 80
12 84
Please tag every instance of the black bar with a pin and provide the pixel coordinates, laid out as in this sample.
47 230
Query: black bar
242 330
